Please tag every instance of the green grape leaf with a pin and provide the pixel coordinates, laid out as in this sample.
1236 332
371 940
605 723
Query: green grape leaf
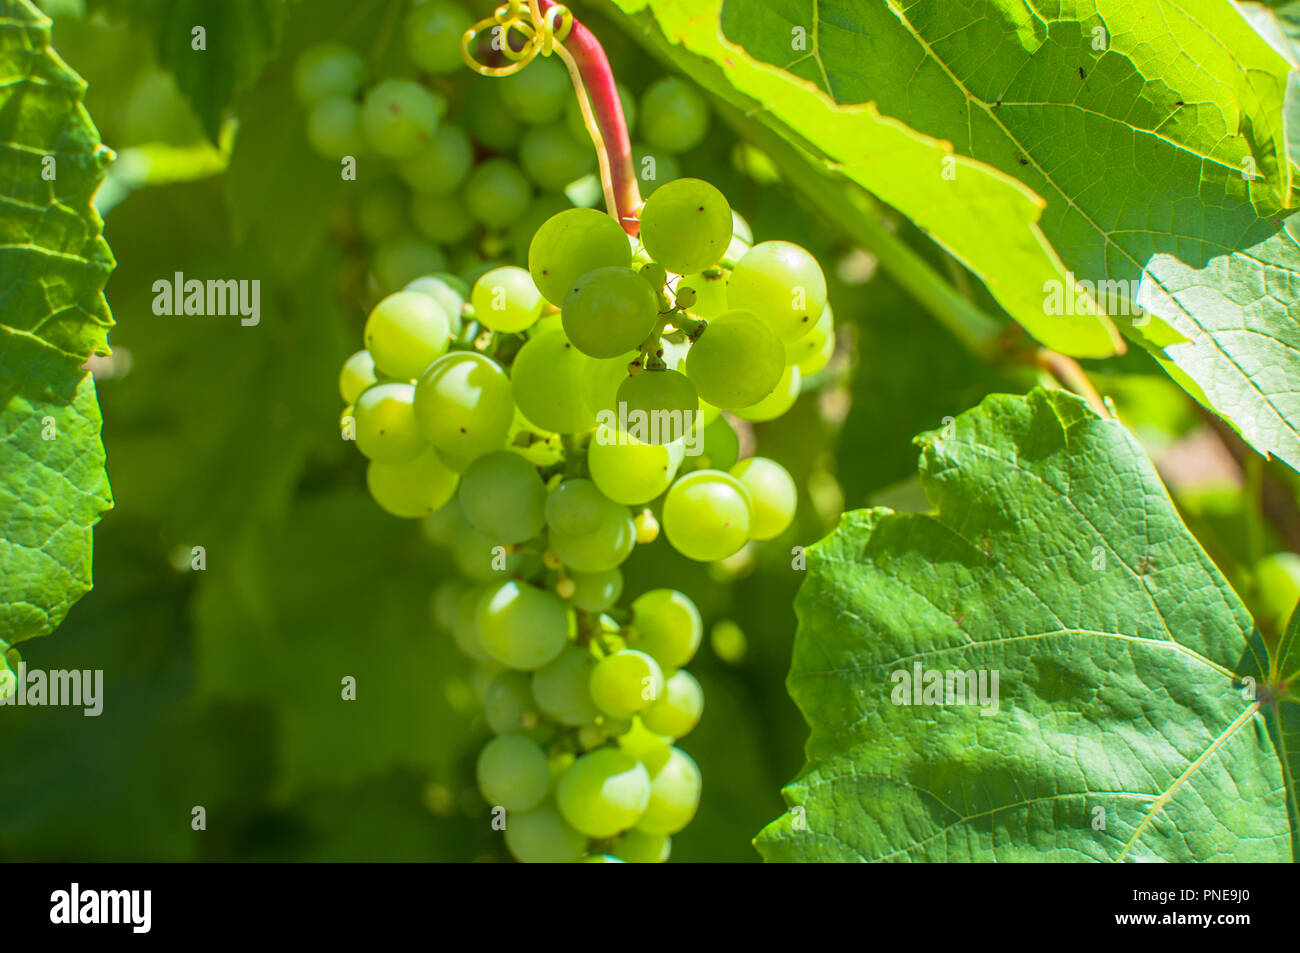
214 48
1135 715
53 317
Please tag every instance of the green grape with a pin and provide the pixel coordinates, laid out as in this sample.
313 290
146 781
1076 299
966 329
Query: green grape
448 290
538 94
381 210
513 773
577 508
441 527
542 836
626 682
413 489
674 795
503 497
404 257
572 243
686 225
668 627
386 426
561 687
466 631
721 445
772 493
627 470
443 603
432 32
327 70
601 380
547 384
776 403
358 373
710 289
506 300
736 362
334 128
660 406
782 284
596 591
463 404
603 792
443 166
405 333
677 711
399 118
497 193
522 627
608 311
654 169
476 554
573 121
508 703
488 122
638 847
674 117
707 515
441 218
811 352
605 548
552 158
545 324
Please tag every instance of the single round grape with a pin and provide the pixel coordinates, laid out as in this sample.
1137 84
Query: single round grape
781 283
399 118
627 470
654 168
577 508
441 218
674 795
542 836
811 352
668 627
660 406
497 193
626 682
710 289
596 591
522 627
385 423
776 403
513 773
772 493
561 687
413 489
572 243
334 128
721 445
605 548
508 703
674 117
603 793
448 290
677 711
357 374
443 166
466 631
608 311
463 404
552 158
505 299
503 497
538 94
327 70
488 122
638 847
601 380
405 333
707 515
401 258
381 210
476 555
432 32
547 382
686 225
736 362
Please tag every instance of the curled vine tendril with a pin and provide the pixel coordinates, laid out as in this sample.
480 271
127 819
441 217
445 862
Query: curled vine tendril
539 34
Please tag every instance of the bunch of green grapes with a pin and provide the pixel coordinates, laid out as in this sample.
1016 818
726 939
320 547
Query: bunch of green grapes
544 421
